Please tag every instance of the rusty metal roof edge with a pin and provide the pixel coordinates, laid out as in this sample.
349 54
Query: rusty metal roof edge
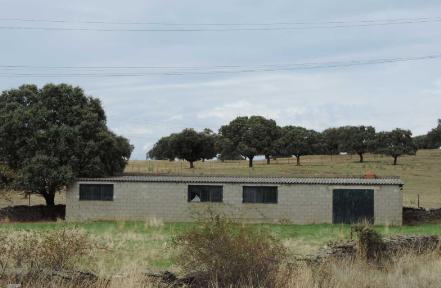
250 179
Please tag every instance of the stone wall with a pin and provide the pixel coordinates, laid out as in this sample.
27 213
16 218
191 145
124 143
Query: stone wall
35 213
421 215
297 204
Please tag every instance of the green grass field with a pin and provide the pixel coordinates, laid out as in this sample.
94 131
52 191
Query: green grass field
149 244
421 173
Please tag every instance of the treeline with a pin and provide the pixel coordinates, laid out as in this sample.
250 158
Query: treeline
247 137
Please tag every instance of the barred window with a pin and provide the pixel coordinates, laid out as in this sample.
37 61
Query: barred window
205 193
259 194
96 192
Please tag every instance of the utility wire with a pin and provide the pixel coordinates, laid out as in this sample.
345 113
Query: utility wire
240 69
223 27
386 20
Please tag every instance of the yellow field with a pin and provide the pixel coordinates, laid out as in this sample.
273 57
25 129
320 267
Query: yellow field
421 173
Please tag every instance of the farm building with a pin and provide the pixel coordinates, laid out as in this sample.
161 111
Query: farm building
251 199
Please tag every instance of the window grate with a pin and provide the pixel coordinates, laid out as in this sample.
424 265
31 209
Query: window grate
260 194
205 193
96 192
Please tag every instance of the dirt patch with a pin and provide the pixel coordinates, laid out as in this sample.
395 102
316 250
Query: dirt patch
413 216
35 213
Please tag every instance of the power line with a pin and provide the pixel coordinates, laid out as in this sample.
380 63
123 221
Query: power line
384 20
225 27
213 71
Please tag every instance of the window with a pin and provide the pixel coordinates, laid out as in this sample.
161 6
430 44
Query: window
259 194
96 192
205 193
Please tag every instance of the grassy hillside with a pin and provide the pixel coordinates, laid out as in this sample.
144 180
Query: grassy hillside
421 173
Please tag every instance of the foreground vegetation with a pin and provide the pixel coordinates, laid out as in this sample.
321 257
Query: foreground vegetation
125 254
149 244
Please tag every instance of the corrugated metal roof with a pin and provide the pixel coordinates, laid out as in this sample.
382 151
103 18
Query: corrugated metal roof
250 180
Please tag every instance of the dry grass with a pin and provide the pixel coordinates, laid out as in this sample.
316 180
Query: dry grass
36 250
406 272
421 173
94 247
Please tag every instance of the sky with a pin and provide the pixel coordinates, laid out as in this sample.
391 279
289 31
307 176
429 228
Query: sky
146 104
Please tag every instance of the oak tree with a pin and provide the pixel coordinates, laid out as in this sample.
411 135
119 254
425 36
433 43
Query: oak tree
52 135
251 136
358 139
396 143
297 141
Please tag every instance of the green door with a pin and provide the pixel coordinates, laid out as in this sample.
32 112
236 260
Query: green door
352 206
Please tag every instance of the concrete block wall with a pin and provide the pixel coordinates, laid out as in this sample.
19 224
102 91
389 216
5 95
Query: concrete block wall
297 204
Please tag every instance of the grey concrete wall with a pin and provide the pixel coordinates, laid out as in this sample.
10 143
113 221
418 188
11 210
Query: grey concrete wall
297 204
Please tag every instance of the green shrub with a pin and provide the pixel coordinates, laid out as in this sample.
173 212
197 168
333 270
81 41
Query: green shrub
229 254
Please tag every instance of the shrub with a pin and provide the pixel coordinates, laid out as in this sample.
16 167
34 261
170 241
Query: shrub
370 243
33 251
228 254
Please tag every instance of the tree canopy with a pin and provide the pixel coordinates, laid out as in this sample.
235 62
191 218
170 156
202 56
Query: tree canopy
297 141
209 144
433 138
396 143
227 150
358 139
254 135
162 149
331 141
188 145
247 137
51 135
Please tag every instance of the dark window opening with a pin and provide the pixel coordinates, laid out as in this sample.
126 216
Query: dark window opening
205 193
96 192
259 194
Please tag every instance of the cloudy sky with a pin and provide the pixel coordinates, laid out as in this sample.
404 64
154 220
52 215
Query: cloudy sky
207 62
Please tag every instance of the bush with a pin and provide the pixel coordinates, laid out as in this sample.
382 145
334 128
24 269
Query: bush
33 251
227 254
371 246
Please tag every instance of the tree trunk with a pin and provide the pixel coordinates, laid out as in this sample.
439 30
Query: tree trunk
191 164
395 160
268 160
50 199
361 157
250 161
298 160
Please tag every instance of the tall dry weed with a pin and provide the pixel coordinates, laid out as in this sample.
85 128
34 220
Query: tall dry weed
230 255
49 250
